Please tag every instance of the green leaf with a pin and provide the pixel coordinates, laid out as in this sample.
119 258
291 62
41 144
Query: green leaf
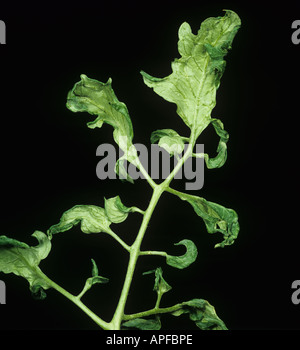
221 157
216 217
169 140
196 75
10 242
115 210
97 98
94 269
121 171
22 260
95 277
143 324
160 285
93 219
92 280
202 313
183 261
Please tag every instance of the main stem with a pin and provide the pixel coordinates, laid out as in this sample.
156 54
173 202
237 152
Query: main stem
134 254
135 248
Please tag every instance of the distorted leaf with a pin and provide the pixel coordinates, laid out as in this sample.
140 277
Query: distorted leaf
169 140
93 219
160 285
95 276
97 98
220 158
115 210
185 260
202 313
22 260
216 217
196 75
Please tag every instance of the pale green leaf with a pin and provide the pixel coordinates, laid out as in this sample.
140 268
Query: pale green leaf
95 276
92 280
115 210
221 157
22 260
94 269
121 171
196 75
92 218
183 261
169 140
97 98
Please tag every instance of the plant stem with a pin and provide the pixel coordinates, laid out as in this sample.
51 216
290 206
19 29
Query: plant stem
75 299
153 252
135 248
154 311
180 163
134 254
144 172
119 240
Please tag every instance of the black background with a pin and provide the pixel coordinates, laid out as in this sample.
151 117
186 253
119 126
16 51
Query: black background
48 159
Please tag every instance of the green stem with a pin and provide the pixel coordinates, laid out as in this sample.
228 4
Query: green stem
153 252
135 248
134 254
137 210
154 311
144 172
158 300
75 299
118 239
180 163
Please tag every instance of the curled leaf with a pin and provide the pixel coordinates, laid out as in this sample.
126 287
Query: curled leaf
160 285
202 313
115 210
95 277
185 260
22 260
93 219
220 159
216 217
121 171
169 140
97 98
92 280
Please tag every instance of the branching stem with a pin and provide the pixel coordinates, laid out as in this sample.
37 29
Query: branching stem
154 311
135 248
134 253
75 299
